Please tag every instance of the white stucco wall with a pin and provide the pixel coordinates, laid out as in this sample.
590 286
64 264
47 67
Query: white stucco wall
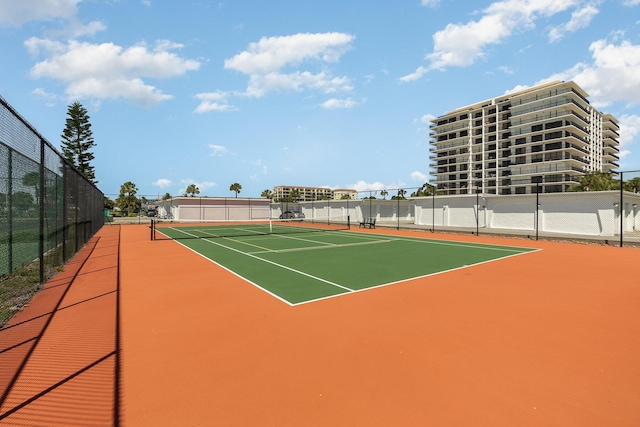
580 213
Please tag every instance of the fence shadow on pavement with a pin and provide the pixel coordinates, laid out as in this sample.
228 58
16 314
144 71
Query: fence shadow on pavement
60 355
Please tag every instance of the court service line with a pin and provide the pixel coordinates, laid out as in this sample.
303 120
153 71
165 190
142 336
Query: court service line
333 246
469 245
423 276
304 240
274 295
302 273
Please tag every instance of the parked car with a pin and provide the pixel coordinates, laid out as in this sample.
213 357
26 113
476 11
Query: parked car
292 215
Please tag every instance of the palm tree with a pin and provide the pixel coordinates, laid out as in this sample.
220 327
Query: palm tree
127 197
192 190
294 195
595 181
235 187
384 194
633 185
166 196
426 190
267 194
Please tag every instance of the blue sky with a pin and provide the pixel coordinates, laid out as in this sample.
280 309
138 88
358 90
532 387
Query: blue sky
299 92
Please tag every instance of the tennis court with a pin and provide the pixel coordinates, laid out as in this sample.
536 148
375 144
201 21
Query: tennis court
153 333
302 262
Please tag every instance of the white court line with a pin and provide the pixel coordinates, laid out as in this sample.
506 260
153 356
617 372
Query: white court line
302 273
366 237
276 296
315 248
471 245
382 285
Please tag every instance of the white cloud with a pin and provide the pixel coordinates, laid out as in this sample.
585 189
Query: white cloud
218 150
213 101
426 118
109 71
416 75
260 84
368 186
579 19
75 28
462 45
430 3
202 185
631 2
273 63
50 98
419 176
374 187
273 53
629 130
335 103
16 12
613 76
162 183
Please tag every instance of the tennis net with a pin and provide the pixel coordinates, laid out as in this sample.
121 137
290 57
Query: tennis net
174 230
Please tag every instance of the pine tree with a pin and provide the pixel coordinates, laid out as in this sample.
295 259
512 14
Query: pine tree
77 140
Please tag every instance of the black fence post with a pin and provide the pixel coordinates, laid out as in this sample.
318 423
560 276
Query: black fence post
621 210
537 224
398 213
10 208
41 212
433 211
477 210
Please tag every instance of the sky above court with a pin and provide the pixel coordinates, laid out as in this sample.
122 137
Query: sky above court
298 92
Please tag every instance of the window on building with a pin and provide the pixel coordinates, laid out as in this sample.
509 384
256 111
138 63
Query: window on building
553 135
553 125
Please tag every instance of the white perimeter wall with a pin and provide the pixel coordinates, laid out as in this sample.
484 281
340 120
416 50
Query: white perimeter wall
585 213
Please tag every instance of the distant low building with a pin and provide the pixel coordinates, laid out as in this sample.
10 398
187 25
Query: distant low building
342 194
307 194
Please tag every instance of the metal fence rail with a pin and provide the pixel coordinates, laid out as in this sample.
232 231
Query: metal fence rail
48 210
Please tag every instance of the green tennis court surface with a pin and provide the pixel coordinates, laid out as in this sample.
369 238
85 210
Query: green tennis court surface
304 266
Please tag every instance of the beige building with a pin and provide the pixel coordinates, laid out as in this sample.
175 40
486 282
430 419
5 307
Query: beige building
306 194
545 137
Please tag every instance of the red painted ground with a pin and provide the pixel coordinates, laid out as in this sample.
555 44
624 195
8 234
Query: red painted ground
550 338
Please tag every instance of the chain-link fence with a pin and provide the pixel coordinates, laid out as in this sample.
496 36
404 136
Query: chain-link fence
611 217
48 210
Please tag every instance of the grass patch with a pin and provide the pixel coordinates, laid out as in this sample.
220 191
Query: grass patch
17 289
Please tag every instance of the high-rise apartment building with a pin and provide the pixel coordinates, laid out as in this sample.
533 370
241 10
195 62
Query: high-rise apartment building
543 138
